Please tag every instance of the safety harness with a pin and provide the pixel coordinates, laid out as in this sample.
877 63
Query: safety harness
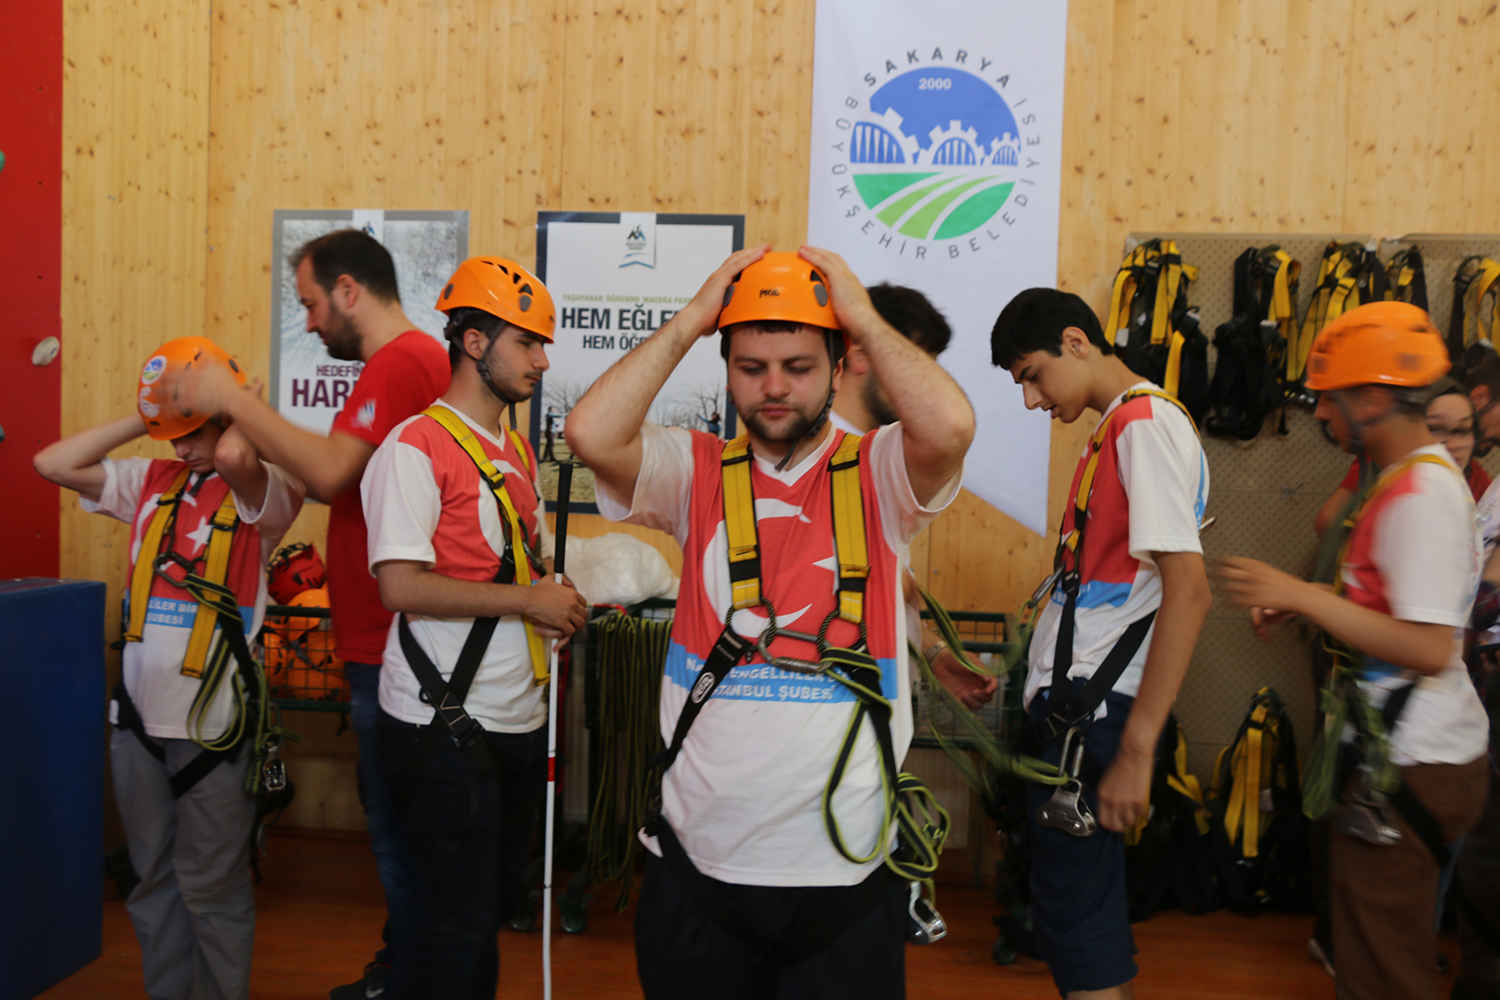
1065 711
1152 327
206 660
1348 274
1259 349
1476 312
519 565
1406 277
1345 705
921 823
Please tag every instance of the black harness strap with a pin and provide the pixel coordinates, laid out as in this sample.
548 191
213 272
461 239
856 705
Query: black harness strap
1064 711
198 768
727 651
449 719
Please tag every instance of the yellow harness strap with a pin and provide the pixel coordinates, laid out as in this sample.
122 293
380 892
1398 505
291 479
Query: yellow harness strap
849 529
520 547
1335 294
216 570
1244 796
1475 326
739 523
849 538
1096 442
145 562
1123 293
1387 479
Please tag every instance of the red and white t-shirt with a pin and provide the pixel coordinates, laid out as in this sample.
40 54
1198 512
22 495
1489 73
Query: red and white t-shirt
426 502
1415 554
400 379
744 796
153 666
1150 489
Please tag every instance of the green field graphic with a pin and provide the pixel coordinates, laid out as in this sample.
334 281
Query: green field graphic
914 203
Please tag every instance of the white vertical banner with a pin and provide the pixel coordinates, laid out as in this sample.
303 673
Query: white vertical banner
936 163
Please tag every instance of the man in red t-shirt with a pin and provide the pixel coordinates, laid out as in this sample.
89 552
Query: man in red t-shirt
347 282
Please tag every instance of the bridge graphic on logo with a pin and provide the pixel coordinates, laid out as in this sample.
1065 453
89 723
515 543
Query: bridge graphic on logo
937 156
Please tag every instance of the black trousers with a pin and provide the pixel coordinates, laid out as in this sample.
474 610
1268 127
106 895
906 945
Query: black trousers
680 953
466 841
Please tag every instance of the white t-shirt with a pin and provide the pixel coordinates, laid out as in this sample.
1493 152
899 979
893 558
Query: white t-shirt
1488 518
1415 555
744 795
1150 489
424 499
152 668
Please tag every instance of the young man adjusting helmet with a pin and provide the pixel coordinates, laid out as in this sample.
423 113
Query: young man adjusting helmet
787 671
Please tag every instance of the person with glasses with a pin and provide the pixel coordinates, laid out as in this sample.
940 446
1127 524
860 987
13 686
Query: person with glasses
1452 416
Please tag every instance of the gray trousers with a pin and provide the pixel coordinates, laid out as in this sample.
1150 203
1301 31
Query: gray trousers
194 910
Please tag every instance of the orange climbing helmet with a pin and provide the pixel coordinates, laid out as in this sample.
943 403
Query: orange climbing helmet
779 286
164 419
503 289
1385 343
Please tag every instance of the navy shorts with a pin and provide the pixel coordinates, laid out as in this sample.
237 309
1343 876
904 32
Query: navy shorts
1078 905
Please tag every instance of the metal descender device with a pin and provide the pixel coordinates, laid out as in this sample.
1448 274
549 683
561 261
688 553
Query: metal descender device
924 924
1368 817
1066 810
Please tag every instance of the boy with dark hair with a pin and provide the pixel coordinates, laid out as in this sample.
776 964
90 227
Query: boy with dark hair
1406 578
1101 675
458 542
217 511
912 315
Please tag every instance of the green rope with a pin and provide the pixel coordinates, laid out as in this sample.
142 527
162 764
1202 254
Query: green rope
996 753
630 654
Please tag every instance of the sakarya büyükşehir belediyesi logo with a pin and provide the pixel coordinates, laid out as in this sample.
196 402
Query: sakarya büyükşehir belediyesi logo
934 153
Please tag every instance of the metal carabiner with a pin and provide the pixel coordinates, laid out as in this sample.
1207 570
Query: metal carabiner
794 664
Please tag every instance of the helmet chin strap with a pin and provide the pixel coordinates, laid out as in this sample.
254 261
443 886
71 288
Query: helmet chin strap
812 430
1356 428
489 383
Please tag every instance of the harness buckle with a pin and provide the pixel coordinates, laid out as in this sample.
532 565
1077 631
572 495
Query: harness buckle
464 731
159 568
924 924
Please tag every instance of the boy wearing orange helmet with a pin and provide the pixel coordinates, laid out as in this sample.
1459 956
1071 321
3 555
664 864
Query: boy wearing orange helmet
460 549
347 282
755 884
215 512
1407 576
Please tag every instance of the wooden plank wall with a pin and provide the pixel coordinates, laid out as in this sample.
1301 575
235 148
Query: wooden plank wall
187 124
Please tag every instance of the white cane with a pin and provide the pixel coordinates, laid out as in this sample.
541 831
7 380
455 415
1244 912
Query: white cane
564 496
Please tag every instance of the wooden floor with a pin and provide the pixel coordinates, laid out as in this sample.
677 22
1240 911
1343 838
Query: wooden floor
320 912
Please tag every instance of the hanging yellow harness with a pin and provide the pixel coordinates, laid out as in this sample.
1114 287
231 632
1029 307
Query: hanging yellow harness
1336 292
151 560
1161 260
1480 278
522 553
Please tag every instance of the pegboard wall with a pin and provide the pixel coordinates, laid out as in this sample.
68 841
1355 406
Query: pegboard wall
1265 493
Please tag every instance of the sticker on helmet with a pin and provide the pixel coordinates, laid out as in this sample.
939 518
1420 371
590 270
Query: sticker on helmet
149 409
153 370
